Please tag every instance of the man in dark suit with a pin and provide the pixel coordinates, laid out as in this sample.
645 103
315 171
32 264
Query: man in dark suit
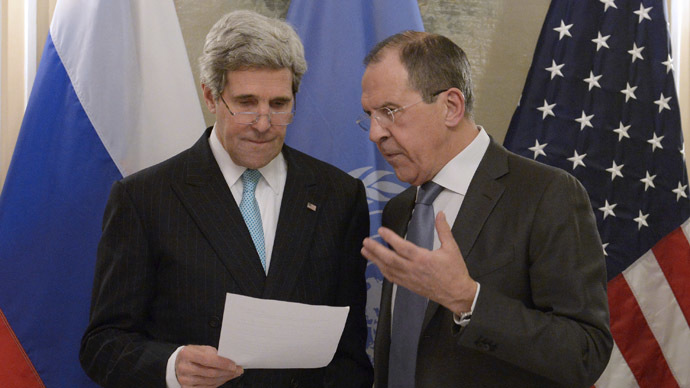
238 212
513 295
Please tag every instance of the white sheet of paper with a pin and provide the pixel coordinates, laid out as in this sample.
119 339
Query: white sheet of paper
266 334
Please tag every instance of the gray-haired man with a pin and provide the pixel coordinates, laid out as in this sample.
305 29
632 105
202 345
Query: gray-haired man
237 212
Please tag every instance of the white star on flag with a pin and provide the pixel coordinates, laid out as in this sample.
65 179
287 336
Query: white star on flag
593 80
655 141
608 3
603 246
555 69
615 170
648 181
601 41
577 160
608 209
563 30
622 131
641 220
538 149
547 110
680 191
663 102
584 121
636 52
668 63
629 92
643 13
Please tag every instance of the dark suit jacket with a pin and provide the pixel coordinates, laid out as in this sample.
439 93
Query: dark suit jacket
174 242
529 237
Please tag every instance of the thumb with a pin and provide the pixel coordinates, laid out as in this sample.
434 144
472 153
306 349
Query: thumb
445 235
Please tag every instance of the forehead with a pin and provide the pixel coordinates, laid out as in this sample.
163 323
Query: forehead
260 82
385 81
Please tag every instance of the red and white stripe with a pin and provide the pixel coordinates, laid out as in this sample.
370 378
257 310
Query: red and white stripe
650 315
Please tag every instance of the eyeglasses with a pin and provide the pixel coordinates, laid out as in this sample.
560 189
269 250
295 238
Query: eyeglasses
250 118
386 116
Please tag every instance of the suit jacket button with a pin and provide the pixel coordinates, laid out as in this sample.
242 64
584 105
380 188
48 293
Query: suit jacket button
214 322
294 384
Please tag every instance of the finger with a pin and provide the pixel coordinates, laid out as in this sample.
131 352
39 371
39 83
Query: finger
405 249
201 376
207 356
388 261
378 253
445 234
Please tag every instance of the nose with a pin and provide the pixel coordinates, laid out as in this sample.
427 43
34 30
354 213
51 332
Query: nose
263 123
376 131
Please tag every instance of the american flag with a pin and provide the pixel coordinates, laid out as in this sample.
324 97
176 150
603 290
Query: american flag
600 103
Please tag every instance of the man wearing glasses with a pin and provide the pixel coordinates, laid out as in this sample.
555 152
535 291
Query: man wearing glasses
238 212
514 294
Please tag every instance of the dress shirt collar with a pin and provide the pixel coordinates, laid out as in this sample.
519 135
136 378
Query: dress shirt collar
271 172
457 174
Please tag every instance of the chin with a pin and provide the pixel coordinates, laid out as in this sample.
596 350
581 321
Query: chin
404 177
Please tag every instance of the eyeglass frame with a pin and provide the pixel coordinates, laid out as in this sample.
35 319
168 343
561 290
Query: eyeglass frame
257 115
364 117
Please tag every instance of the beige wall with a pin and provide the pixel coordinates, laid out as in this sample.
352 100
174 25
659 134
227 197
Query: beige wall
499 37
12 63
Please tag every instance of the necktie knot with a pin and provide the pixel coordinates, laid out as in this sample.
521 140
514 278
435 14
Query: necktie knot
250 178
428 192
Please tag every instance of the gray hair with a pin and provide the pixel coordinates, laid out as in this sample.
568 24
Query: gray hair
433 63
244 39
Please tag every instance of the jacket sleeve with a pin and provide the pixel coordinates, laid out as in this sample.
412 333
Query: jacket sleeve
560 329
115 349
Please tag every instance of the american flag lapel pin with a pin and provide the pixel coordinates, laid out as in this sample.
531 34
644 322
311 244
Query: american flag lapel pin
311 206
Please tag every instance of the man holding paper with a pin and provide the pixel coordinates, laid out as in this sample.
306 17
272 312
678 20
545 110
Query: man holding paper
238 212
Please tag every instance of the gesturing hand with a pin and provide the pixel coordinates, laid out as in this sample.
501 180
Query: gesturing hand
439 275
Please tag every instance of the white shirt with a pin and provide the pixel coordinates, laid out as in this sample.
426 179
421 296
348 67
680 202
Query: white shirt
455 177
269 190
269 195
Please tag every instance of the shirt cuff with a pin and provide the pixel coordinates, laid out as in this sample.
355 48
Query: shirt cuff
170 375
465 318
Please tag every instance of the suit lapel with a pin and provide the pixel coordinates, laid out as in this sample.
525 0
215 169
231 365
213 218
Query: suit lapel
208 199
299 210
398 215
482 195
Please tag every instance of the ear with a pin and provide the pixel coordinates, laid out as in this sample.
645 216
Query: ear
208 98
455 105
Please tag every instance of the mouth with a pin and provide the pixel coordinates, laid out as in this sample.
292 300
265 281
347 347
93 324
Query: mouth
259 141
389 154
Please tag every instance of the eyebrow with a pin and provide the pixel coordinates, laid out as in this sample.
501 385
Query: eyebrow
275 99
386 104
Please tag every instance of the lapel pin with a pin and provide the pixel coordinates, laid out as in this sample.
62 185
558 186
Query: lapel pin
311 206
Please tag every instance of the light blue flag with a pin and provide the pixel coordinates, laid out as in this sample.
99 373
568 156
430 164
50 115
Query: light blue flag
337 35
102 106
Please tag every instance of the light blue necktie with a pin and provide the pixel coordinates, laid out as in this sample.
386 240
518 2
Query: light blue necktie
408 313
250 212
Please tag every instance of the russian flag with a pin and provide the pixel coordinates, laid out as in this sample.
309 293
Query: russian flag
113 94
